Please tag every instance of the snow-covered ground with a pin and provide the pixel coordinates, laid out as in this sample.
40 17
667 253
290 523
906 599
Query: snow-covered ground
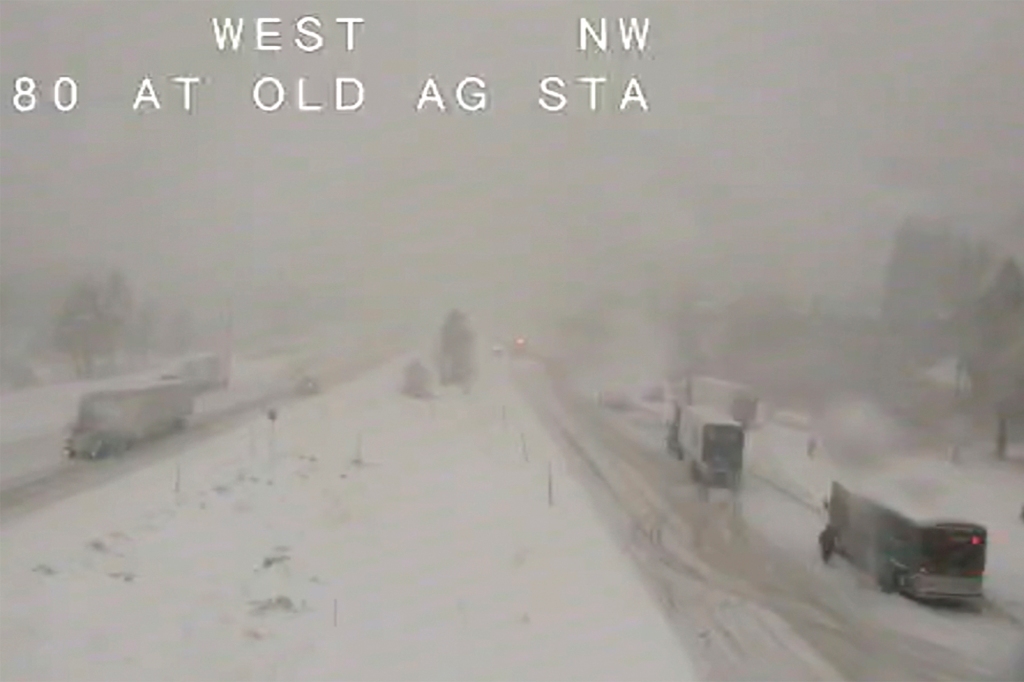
367 537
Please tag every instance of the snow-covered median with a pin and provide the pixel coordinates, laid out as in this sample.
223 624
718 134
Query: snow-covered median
368 536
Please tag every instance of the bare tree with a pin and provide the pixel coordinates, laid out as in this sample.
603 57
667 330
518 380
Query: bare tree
117 308
143 327
95 321
80 330
182 331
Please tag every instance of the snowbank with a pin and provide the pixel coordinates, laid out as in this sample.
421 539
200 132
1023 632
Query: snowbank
778 454
366 537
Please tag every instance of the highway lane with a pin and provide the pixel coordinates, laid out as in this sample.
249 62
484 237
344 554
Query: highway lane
28 458
39 454
45 486
69 477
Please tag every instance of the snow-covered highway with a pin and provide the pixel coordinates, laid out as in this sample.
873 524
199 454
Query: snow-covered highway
760 555
369 537
517 532
34 471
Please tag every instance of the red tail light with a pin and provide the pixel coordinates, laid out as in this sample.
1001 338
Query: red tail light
976 540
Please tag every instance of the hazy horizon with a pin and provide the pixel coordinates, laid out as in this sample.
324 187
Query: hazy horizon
784 143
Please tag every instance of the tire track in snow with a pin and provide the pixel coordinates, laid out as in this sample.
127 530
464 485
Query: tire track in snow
733 641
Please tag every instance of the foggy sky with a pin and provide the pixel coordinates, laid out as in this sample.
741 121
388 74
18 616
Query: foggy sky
785 141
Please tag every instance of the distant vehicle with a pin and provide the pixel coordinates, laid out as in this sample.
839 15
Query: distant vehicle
519 346
711 441
114 421
923 558
207 372
307 385
497 350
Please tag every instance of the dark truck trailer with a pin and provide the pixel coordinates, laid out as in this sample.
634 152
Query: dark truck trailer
114 421
929 559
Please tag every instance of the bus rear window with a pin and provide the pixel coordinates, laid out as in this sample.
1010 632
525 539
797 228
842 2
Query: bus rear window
959 550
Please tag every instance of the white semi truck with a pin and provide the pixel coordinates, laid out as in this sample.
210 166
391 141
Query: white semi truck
207 372
114 421
711 441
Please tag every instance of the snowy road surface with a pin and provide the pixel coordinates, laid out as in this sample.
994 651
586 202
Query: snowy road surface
767 551
39 410
700 576
33 420
367 537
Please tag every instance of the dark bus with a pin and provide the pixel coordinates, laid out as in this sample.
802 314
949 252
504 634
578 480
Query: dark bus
929 560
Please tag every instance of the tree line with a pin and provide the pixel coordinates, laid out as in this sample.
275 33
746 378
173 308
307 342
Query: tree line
101 321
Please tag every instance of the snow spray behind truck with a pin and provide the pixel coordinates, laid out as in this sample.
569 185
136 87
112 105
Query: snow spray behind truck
114 421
